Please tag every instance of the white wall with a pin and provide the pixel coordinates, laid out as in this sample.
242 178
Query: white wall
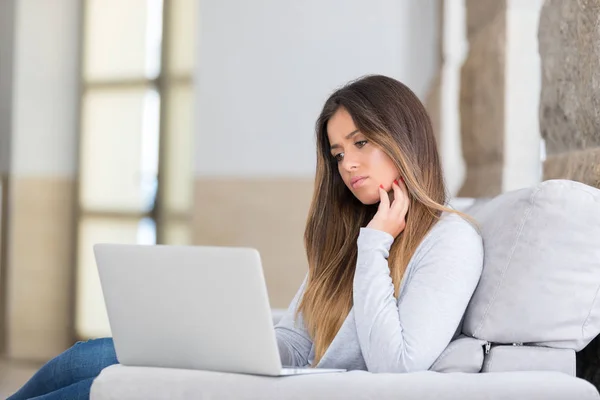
266 67
421 37
45 97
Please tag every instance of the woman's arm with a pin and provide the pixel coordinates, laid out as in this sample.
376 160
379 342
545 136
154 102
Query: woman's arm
292 338
410 333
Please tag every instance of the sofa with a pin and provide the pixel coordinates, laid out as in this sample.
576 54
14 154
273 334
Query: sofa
535 307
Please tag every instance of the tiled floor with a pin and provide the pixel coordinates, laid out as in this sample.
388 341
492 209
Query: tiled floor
13 375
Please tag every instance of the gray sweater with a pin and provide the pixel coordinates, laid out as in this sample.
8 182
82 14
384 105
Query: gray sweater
385 334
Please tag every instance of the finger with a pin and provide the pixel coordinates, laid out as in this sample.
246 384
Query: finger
398 197
401 199
404 190
402 185
384 199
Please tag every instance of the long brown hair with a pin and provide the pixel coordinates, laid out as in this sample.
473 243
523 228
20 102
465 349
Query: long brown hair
391 116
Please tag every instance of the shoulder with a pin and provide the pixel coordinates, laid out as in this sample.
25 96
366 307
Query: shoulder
454 227
452 240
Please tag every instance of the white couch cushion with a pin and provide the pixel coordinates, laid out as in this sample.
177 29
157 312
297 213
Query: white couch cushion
138 383
505 358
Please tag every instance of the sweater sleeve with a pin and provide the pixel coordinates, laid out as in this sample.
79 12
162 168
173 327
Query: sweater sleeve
409 333
293 340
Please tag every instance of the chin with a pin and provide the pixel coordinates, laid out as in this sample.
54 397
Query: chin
368 199
365 196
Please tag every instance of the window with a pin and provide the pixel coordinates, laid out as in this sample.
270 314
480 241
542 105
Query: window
135 172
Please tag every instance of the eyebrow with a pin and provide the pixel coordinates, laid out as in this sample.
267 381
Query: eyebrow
348 136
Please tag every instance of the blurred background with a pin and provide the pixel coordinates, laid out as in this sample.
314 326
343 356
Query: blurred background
192 122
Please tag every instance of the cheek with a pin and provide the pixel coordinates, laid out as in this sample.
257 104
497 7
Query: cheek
341 172
367 196
384 166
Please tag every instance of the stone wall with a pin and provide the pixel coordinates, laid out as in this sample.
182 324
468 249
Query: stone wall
569 45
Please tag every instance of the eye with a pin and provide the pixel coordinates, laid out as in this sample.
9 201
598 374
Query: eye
360 144
338 157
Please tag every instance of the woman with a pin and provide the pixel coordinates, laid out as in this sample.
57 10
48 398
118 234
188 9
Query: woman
391 268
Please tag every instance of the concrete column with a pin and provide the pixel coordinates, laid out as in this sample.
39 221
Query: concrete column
482 98
522 140
443 99
433 97
500 91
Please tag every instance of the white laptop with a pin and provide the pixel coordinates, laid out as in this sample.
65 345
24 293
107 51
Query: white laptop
188 307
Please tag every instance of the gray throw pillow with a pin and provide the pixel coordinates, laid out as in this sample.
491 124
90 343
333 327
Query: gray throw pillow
541 275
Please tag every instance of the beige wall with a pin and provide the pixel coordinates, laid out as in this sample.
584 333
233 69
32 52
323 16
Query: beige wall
267 214
3 245
40 275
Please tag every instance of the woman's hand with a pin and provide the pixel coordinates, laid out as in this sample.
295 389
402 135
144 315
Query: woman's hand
391 219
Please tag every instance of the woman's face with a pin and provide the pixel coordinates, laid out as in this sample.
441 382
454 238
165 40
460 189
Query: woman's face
362 165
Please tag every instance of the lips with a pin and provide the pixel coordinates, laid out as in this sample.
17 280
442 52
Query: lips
357 181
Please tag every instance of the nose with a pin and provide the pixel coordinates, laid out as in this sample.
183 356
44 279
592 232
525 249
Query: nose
350 162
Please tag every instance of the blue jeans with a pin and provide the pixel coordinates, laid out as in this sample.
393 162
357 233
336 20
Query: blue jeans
69 376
